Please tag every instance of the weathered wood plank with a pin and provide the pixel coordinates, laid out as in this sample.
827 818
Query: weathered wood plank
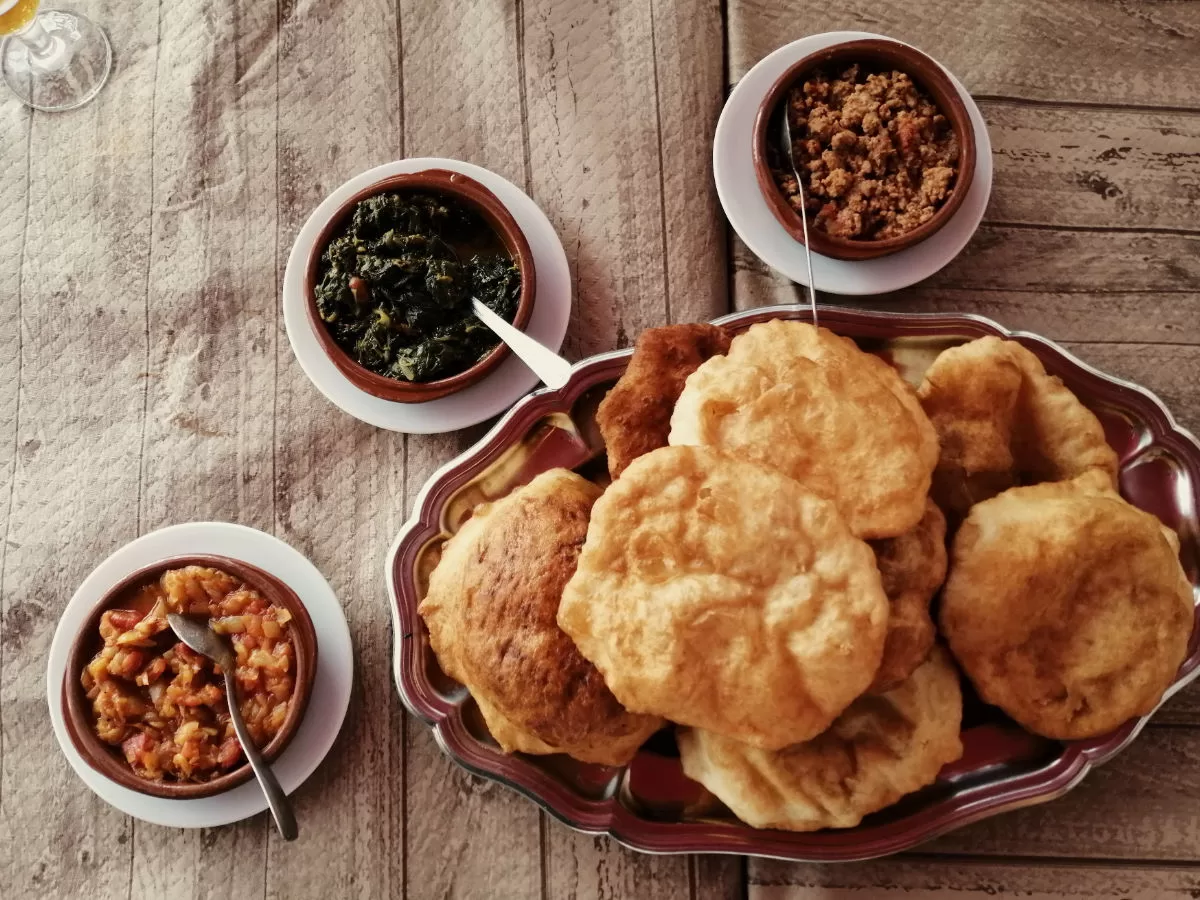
338 481
619 149
1059 50
1182 709
224 863
207 443
1069 285
463 57
213 298
1146 317
1094 168
587 868
596 161
469 837
462 84
1066 261
1139 806
688 63
718 877
1167 369
937 878
15 131
77 336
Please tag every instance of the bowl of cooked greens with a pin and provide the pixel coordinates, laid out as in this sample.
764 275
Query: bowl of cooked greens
391 276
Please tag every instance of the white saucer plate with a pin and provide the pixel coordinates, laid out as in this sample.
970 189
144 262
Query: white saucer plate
747 211
331 686
479 402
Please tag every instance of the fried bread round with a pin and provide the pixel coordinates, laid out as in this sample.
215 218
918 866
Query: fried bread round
635 416
491 612
1067 607
1002 421
813 405
912 568
881 748
720 593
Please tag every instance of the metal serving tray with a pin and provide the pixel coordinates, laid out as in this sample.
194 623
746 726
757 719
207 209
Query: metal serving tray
650 805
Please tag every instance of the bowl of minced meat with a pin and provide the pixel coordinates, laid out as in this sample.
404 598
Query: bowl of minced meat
882 142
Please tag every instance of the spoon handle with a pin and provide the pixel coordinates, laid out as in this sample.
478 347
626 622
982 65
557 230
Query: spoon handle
281 806
545 363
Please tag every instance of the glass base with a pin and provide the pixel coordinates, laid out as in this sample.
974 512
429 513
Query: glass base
71 69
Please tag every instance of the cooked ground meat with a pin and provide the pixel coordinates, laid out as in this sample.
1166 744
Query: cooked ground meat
877 156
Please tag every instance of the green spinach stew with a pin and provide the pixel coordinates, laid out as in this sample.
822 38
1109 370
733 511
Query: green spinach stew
394 287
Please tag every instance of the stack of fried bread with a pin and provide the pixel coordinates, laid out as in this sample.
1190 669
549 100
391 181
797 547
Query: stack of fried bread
761 569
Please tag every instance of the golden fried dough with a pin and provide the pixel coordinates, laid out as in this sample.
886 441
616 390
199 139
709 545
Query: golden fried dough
491 609
719 593
1002 421
1066 607
881 748
811 404
912 567
635 416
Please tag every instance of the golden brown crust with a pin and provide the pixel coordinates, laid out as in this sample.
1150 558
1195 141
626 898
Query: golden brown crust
813 405
635 416
491 611
719 593
1067 607
1002 421
912 568
881 748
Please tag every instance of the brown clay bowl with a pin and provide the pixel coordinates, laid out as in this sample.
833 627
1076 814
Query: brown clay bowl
106 759
469 192
872 53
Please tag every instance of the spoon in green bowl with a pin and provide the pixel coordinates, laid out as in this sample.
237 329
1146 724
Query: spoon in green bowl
552 369
196 634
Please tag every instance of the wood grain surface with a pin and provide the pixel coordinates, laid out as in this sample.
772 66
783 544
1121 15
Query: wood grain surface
146 378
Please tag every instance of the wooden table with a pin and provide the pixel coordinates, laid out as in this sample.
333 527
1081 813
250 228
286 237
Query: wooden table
145 377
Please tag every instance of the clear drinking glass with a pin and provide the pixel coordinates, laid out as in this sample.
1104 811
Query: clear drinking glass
52 59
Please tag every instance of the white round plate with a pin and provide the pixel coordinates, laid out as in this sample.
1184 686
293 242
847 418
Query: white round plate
747 211
331 686
483 400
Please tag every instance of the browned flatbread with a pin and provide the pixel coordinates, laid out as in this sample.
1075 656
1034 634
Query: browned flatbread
881 748
1067 607
912 567
1002 421
635 416
719 593
810 403
491 612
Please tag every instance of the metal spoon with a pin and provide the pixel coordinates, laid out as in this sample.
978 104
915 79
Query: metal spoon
197 635
790 153
544 362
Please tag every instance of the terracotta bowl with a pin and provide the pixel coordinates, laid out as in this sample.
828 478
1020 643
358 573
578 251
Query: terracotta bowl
926 74
469 192
106 759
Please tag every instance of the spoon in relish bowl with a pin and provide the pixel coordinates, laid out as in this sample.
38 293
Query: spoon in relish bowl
196 634
789 151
